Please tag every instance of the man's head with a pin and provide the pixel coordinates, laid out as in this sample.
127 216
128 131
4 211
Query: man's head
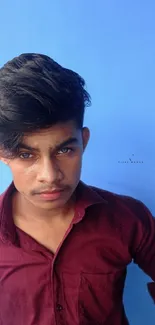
42 137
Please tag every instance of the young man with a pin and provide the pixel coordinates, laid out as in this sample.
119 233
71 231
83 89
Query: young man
64 245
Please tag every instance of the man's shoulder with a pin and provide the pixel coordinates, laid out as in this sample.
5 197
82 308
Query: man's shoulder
129 216
123 205
113 197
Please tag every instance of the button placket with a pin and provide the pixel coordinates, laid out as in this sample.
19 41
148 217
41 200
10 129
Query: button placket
59 307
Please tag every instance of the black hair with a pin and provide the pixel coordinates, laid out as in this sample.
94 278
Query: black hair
36 93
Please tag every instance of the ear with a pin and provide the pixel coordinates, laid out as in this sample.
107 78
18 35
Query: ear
85 137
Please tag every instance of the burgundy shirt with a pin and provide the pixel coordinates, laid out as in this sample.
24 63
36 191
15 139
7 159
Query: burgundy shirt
82 284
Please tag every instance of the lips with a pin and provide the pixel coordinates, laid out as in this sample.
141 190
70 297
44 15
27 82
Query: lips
52 192
51 195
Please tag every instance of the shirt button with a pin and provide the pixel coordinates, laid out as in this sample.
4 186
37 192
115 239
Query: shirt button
59 307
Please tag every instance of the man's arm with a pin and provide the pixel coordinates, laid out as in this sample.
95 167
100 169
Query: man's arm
138 232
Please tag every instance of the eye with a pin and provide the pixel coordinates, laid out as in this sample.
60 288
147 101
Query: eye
64 151
25 155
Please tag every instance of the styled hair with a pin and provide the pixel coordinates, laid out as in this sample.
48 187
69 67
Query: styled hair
36 93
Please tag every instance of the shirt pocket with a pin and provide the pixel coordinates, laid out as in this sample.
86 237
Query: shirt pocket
98 296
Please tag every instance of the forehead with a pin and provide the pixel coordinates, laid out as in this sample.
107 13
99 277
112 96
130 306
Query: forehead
52 136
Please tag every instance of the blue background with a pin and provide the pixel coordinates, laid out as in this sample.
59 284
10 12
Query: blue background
112 45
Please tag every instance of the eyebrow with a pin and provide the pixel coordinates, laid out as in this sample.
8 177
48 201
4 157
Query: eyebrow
65 143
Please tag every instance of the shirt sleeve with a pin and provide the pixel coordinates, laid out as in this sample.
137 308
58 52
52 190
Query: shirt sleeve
139 232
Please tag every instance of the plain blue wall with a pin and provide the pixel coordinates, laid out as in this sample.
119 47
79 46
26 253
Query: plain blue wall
112 45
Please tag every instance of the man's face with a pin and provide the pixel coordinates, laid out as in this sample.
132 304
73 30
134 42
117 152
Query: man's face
49 160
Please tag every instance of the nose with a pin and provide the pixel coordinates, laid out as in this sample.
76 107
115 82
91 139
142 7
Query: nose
49 172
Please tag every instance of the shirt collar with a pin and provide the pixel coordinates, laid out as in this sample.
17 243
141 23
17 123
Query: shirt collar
86 196
7 226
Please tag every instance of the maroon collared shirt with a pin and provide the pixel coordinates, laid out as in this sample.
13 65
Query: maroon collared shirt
82 284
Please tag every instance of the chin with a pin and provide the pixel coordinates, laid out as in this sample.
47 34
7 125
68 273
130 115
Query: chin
49 205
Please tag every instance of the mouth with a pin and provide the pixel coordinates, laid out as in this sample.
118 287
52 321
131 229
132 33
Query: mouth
51 195
56 190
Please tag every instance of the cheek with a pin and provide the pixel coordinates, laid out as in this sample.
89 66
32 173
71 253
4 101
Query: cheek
72 166
22 173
